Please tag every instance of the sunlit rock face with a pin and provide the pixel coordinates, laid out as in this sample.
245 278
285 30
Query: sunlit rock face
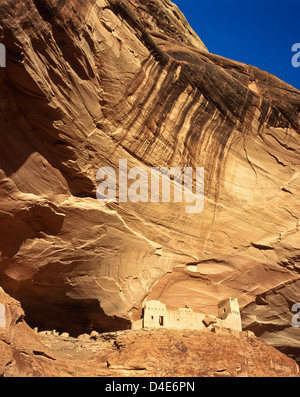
90 83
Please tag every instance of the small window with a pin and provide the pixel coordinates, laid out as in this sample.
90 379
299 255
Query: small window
224 310
161 321
151 317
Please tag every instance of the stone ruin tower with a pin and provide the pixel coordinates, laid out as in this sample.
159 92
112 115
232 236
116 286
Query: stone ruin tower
229 313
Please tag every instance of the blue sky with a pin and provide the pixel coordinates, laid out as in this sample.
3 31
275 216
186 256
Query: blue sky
256 32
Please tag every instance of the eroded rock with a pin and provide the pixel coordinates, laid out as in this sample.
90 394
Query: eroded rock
109 80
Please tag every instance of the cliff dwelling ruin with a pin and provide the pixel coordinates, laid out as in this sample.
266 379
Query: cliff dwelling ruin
156 315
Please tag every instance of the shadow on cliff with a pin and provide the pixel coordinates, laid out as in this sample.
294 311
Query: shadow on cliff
28 126
73 316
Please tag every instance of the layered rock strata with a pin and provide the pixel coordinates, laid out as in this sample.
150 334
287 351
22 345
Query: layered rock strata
90 83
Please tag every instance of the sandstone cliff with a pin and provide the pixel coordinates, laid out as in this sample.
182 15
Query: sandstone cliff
89 83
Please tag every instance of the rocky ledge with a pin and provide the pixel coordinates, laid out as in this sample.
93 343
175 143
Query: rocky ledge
144 353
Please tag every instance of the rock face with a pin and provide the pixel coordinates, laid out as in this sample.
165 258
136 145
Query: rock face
23 353
90 83
197 354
